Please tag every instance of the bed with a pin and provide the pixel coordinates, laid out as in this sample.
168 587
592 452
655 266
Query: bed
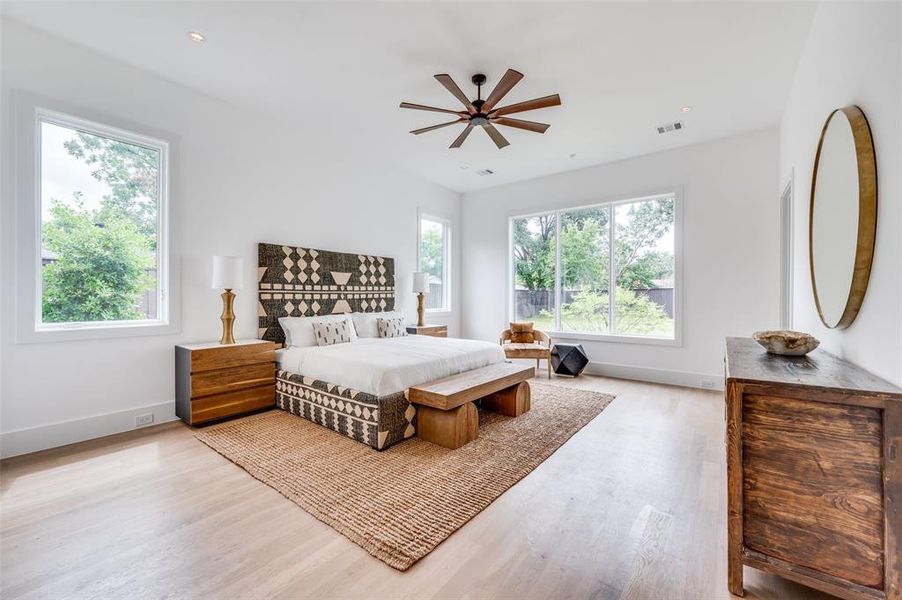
370 404
357 389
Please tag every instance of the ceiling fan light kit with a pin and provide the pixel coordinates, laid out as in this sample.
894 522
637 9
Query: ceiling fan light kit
482 113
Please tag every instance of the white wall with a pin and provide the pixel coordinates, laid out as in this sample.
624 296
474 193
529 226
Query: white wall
852 56
730 249
237 179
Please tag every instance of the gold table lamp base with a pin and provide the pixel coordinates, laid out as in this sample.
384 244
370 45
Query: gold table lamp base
421 309
227 317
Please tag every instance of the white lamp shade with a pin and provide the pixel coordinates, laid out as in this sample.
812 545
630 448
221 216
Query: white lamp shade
227 272
419 283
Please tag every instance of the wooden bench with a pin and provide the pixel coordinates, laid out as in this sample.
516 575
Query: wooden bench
446 414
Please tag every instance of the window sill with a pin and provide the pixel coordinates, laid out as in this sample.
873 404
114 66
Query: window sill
94 332
439 312
617 339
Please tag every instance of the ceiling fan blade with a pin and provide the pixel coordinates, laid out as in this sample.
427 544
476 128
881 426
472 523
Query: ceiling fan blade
508 81
449 84
553 100
463 135
521 124
425 129
496 136
432 108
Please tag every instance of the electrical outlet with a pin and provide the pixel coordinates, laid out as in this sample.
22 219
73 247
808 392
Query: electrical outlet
142 420
707 384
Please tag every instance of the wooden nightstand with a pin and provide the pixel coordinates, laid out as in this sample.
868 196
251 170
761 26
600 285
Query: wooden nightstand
433 330
214 381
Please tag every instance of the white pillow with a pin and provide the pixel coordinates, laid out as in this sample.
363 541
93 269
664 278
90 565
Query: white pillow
329 333
391 328
299 330
365 323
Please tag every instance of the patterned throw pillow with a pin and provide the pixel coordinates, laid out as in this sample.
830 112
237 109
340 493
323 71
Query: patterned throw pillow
391 328
521 333
328 333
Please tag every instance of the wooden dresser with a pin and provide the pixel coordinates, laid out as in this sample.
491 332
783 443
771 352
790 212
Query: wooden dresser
814 472
214 381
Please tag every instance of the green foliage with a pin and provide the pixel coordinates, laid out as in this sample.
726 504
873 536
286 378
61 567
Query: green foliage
534 253
635 265
131 172
431 251
585 265
645 270
101 267
637 314
103 256
634 314
587 312
584 255
584 248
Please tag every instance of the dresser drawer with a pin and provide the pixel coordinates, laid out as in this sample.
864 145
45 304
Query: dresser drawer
207 383
231 403
812 489
223 357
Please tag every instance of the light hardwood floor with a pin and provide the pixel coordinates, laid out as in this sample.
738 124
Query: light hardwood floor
633 506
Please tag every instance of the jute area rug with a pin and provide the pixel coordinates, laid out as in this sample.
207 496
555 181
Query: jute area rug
399 504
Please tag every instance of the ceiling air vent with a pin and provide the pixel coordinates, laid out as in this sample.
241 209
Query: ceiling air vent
484 172
668 127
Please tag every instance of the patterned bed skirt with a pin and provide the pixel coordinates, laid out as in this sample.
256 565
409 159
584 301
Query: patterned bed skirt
378 421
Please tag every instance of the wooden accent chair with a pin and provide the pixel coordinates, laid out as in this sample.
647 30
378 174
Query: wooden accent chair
522 341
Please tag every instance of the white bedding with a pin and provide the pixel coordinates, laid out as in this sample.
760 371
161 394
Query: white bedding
387 366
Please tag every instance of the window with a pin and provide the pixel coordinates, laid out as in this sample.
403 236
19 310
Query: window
535 244
102 244
567 262
435 260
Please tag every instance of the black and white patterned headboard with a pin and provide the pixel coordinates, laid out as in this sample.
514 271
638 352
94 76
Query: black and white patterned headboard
302 282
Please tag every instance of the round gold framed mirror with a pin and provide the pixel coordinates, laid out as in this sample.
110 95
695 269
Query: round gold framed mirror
842 219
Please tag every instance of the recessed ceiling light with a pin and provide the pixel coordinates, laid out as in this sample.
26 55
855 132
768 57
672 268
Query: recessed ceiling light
196 36
685 108
573 155
463 167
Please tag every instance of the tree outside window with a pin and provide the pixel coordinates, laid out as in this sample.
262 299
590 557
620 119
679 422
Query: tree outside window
433 258
575 257
99 231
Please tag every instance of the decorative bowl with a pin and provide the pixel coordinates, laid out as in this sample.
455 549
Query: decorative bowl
785 342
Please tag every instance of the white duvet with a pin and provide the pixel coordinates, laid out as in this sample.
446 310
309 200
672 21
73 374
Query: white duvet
387 366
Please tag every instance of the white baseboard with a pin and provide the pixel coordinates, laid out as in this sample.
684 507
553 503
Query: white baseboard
683 378
42 437
61 433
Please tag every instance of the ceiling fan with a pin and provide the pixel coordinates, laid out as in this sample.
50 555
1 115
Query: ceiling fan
482 113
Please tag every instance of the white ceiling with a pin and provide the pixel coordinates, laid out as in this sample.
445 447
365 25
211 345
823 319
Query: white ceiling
342 68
